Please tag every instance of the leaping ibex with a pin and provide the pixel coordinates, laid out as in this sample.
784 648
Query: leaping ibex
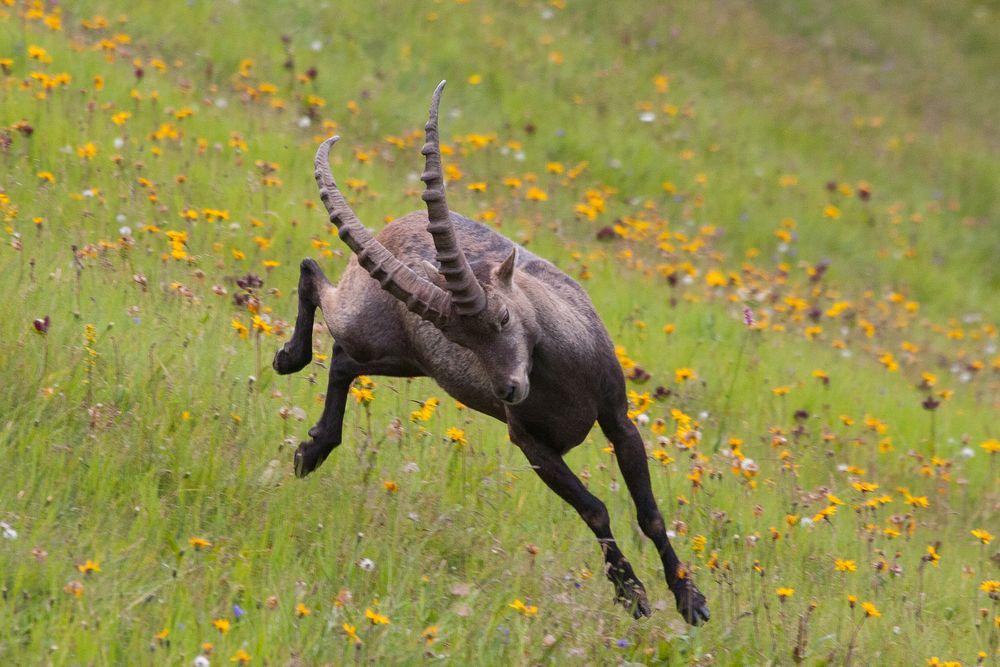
500 329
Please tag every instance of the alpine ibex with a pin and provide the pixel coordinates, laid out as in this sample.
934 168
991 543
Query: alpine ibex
500 329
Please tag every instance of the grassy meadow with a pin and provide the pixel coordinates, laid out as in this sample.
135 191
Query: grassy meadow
785 212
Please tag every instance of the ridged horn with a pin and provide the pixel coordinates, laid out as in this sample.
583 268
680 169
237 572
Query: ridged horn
467 294
420 296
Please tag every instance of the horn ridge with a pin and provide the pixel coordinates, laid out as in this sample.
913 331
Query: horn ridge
466 292
420 296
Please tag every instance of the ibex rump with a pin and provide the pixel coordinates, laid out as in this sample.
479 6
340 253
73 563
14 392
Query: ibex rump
501 330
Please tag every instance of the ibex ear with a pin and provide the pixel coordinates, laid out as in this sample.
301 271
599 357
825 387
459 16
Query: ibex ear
431 271
504 273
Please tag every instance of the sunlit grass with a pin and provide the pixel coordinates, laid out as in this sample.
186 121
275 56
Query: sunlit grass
838 452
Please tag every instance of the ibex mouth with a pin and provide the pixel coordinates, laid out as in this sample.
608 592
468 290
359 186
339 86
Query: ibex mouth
514 394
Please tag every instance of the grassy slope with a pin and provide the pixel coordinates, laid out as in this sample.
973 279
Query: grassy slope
109 469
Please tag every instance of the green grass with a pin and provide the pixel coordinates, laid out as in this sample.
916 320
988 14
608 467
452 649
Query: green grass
165 425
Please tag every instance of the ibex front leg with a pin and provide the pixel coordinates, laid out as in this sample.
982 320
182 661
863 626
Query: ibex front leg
550 466
297 352
631 455
327 433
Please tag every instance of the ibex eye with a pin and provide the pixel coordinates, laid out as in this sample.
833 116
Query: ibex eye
505 319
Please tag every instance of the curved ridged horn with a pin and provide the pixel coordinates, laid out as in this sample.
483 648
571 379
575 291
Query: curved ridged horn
467 294
420 296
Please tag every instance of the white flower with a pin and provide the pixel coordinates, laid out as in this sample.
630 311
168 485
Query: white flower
118 142
8 532
304 122
316 45
647 116
643 419
125 230
968 452
201 661
366 564
221 103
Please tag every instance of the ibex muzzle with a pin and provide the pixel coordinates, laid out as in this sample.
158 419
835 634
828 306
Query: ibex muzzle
500 329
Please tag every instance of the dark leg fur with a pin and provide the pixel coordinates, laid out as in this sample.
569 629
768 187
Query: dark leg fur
327 432
556 474
631 455
297 352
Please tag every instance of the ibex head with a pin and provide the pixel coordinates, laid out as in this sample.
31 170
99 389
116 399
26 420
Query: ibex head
488 315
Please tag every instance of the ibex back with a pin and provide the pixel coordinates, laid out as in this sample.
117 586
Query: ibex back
501 330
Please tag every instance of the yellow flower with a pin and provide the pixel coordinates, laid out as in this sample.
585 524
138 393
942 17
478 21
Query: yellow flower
429 634
870 610
475 79
241 657
536 194
991 586
992 446
390 486
376 618
784 593
199 543
89 566
842 565
684 374
161 636
831 211
982 535
351 632
221 624
302 610
241 328
523 609
456 435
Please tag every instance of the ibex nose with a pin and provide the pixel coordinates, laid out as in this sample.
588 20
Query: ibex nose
513 392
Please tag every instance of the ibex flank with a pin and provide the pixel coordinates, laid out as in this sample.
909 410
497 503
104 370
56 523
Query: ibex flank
501 330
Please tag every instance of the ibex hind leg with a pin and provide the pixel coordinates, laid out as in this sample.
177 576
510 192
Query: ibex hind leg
297 352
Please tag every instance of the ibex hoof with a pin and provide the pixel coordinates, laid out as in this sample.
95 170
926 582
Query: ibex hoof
632 596
289 360
310 456
691 604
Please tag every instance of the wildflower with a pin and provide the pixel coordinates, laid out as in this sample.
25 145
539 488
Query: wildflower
41 325
302 610
366 564
982 535
475 79
932 556
831 211
198 543
390 486
426 410
221 624
241 328
992 446
870 610
685 374
376 618
523 609
991 586
456 436
536 194
429 635
241 656
784 593
74 588
89 566
842 565
351 632
161 636
238 611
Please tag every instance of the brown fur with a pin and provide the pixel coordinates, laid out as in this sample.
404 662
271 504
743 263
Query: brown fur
500 329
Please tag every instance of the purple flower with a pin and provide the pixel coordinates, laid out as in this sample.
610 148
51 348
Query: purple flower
41 325
621 643
238 611
748 317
